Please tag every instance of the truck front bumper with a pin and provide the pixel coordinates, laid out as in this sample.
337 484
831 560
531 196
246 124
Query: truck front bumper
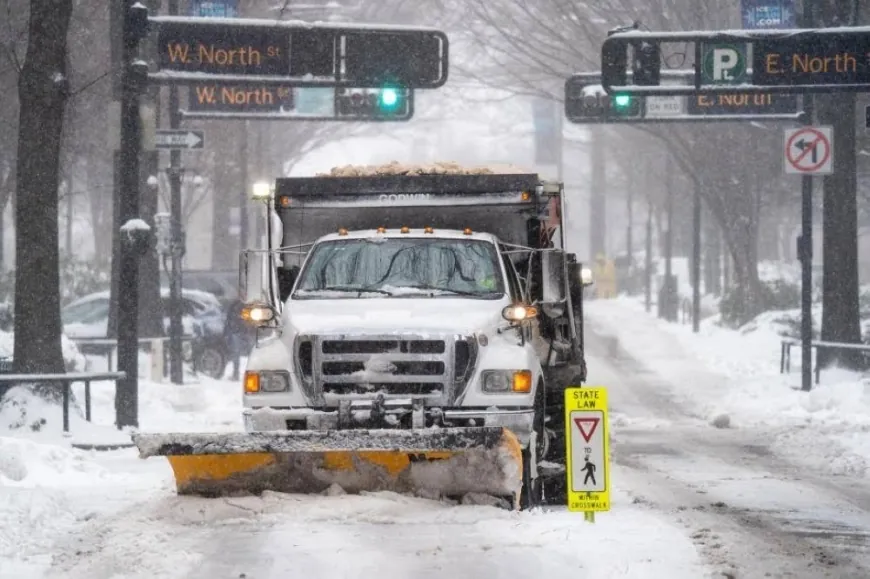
519 421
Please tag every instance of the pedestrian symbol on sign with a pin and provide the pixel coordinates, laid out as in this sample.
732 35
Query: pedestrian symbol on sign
590 472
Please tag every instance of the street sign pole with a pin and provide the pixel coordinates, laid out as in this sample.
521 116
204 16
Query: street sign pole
176 369
806 242
806 258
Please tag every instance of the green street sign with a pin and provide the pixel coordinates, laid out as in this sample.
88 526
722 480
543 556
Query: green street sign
724 64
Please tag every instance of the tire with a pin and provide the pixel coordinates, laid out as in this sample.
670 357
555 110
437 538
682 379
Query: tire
555 488
531 494
211 362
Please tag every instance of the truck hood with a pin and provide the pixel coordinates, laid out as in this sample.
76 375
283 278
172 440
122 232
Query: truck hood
393 315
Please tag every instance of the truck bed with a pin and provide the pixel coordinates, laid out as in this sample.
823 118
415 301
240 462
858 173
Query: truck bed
299 187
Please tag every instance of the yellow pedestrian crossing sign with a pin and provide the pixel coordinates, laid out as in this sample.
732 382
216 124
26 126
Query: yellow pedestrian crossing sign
588 452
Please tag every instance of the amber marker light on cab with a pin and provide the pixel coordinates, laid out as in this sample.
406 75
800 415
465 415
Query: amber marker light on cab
252 382
522 381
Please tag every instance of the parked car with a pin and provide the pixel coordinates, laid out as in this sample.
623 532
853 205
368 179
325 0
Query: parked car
202 317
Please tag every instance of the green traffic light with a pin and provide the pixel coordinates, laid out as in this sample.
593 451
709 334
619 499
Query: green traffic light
622 100
389 98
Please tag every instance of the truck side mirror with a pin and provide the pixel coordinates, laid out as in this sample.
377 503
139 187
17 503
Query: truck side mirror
553 277
254 277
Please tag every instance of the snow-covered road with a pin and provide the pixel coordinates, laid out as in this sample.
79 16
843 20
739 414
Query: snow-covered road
696 494
750 513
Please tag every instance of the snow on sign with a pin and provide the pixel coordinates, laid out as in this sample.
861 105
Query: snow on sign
172 139
588 457
809 151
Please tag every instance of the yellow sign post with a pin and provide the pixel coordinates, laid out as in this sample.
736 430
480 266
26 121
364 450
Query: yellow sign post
588 452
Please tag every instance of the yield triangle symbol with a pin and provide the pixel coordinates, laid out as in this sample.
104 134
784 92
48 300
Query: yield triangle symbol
587 427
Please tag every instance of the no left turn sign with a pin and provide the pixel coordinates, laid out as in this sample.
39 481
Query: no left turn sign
809 151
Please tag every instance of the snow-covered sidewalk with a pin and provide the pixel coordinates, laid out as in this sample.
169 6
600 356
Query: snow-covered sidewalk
733 377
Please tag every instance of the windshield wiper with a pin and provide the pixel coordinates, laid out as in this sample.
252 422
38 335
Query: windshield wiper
349 288
446 289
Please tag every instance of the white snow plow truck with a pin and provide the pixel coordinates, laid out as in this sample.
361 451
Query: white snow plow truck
421 343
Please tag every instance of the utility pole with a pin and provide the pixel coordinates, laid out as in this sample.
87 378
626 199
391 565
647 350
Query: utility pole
176 368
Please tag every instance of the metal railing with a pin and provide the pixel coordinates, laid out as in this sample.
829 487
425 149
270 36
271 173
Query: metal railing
105 347
66 380
787 343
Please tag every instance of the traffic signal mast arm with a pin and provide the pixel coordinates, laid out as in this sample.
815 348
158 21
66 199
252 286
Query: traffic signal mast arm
783 61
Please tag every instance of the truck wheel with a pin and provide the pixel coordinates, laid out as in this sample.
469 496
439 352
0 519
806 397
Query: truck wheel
555 487
531 494
211 362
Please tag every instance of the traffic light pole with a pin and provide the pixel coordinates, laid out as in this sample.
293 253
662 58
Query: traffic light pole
132 77
176 368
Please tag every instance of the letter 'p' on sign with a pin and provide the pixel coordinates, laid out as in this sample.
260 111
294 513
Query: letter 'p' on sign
724 61
724 64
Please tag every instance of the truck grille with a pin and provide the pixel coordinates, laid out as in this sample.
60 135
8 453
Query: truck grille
432 367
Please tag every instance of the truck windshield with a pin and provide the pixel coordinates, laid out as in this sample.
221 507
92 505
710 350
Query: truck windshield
406 267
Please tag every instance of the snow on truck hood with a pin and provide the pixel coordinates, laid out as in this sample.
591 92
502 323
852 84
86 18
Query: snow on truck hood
393 315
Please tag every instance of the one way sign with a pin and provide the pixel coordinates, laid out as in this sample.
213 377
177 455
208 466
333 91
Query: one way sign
170 139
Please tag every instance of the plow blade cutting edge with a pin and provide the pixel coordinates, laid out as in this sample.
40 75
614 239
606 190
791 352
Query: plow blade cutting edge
433 463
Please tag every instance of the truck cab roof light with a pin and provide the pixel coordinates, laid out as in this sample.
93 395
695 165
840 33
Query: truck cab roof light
428 229
526 196
342 231
285 201
382 229
405 229
467 231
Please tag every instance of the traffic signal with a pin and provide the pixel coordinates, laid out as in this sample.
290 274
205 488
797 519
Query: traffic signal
647 65
383 104
586 102
624 105
388 100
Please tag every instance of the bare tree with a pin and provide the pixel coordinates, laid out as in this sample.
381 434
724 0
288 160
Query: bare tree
531 50
43 90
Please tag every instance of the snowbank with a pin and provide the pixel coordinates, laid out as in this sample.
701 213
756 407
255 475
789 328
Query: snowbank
73 360
735 373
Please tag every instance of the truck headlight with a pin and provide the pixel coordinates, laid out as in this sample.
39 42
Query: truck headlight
499 381
267 381
258 314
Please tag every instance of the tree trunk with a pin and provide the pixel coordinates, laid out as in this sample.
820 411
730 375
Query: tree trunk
840 315
43 91
742 245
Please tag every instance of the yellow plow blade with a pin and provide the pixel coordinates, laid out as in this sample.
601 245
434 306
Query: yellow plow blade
447 462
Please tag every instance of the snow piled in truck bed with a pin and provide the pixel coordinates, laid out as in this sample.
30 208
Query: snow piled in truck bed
438 168
732 377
